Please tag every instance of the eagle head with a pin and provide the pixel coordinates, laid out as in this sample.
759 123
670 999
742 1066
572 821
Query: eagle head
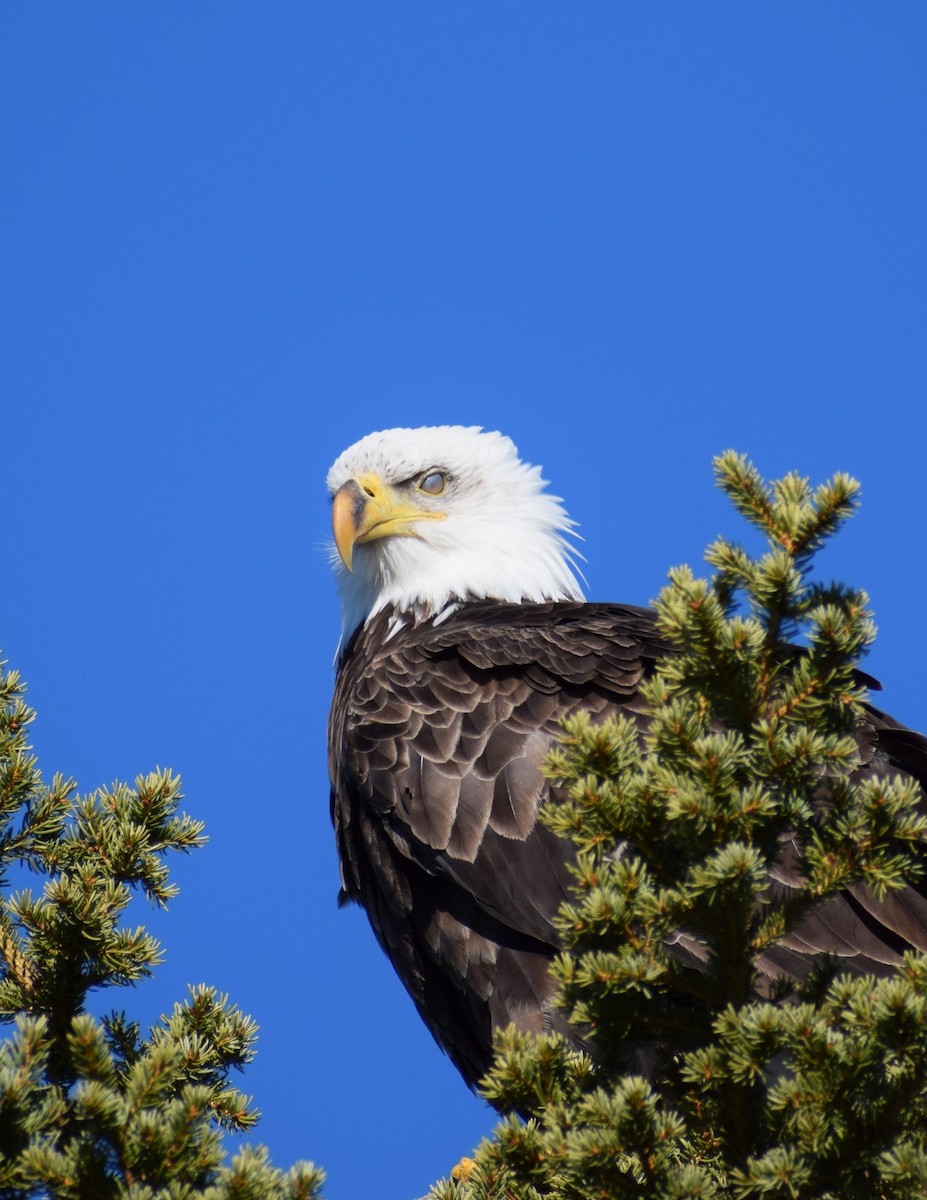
426 519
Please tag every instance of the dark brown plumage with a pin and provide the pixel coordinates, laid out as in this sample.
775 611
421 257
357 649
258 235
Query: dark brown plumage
436 739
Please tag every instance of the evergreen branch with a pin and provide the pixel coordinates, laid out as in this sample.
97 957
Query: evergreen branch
707 848
89 1107
743 485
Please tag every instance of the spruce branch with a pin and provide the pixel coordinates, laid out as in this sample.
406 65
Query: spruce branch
704 838
89 1107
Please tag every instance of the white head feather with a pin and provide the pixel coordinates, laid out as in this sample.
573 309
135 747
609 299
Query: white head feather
503 537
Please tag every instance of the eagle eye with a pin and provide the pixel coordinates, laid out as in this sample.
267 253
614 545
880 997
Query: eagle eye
432 484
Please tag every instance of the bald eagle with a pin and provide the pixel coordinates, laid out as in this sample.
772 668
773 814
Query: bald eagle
465 642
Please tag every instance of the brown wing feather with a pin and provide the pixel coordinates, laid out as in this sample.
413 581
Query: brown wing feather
436 738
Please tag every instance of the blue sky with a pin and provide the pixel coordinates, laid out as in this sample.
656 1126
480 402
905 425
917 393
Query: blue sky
236 237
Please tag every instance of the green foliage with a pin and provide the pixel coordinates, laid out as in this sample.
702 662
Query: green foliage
89 1107
706 1077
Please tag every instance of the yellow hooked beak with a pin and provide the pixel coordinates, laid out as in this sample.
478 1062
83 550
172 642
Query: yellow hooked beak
365 509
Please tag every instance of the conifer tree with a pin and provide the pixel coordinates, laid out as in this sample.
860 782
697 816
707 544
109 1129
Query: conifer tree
694 1085
91 1108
